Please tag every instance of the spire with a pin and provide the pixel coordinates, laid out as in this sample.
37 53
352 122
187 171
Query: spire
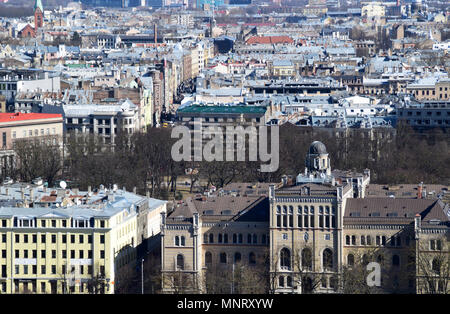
38 4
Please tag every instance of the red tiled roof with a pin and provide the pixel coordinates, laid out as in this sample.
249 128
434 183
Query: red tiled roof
270 40
10 117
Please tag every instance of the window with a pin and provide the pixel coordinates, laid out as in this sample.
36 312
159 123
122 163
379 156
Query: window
208 258
72 238
237 257
81 238
240 238
363 240
347 240
219 238
281 281
53 253
395 260
102 238
211 238
183 241
205 238
252 258
353 240
223 258
42 253
234 238
351 260
18 239
43 269
436 265
285 259
177 241
53 238
307 259
102 254
327 259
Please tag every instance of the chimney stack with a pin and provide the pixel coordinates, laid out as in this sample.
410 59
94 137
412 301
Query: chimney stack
419 190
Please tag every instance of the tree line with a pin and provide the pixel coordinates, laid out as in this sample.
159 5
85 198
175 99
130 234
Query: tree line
143 160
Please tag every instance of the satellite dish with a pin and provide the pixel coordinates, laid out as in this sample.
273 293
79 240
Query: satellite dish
63 184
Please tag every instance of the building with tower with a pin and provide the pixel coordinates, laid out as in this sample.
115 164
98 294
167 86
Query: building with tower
26 30
38 15
311 232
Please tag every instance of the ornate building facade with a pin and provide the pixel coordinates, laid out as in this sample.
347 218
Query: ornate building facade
316 234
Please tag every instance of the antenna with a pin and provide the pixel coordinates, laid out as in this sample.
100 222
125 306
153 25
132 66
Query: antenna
63 184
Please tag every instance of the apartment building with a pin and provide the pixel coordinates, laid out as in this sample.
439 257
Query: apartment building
56 240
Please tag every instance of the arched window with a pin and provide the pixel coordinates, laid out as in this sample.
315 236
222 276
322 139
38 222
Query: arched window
183 241
353 240
327 259
263 239
281 281
436 265
249 238
363 240
255 239
347 240
225 238
365 259
306 259
240 238
285 259
395 260
219 239
350 260
252 258
383 240
205 238
211 238
208 258
237 257
289 281
177 241
369 240
234 238
180 262
278 216
223 258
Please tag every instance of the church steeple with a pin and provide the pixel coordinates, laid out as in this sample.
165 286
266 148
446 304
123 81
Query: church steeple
38 4
38 14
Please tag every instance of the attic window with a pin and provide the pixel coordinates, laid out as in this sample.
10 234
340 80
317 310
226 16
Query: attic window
355 214
391 214
208 212
375 214
226 212
435 221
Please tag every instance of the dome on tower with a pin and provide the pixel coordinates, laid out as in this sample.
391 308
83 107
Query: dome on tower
317 148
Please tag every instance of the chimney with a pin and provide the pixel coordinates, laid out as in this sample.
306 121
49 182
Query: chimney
419 190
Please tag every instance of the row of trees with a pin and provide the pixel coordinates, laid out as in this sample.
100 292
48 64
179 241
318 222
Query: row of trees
144 161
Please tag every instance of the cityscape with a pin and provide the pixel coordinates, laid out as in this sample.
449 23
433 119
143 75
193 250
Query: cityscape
229 147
